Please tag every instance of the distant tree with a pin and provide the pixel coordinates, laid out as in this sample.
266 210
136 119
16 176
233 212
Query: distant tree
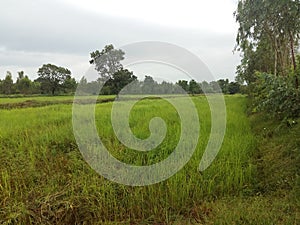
88 87
35 87
52 77
20 75
120 79
149 85
215 86
206 88
183 84
166 88
69 85
7 84
108 64
83 84
23 83
194 87
107 88
108 61
233 88
223 84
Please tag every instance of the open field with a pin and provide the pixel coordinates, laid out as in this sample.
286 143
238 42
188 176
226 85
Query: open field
16 99
38 101
44 179
13 102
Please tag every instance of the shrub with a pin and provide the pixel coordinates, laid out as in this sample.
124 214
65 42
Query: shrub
277 95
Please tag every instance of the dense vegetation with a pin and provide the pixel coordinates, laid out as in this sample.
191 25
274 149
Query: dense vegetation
67 86
52 80
268 37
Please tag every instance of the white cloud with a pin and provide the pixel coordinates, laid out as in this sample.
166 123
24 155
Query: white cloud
210 15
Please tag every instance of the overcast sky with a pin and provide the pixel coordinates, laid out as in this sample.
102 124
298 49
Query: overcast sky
36 32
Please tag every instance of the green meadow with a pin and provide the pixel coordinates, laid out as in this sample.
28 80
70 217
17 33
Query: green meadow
39 101
45 180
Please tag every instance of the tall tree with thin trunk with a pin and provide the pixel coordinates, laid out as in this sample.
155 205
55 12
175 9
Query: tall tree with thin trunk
274 24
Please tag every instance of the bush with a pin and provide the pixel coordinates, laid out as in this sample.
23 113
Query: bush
277 95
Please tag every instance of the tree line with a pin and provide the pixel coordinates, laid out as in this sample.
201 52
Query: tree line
150 86
53 80
67 85
108 64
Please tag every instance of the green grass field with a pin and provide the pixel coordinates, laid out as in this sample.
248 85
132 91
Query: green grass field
16 99
39 101
44 179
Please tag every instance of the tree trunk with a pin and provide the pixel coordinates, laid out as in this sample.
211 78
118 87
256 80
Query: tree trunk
293 52
275 59
276 54
294 60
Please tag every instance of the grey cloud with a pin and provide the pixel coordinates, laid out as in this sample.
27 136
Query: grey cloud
32 26
52 27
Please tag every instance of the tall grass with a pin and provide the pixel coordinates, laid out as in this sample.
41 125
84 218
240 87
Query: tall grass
44 179
57 99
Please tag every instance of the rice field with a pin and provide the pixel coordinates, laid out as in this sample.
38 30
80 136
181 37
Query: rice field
45 180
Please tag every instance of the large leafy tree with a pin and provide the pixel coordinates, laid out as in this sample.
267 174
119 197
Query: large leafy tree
108 61
268 36
52 77
259 58
108 64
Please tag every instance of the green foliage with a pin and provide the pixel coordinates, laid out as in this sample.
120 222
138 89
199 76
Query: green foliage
118 81
277 96
25 86
268 36
260 58
52 77
148 85
206 88
183 84
233 88
194 87
7 84
223 84
108 61
69 85
123 77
